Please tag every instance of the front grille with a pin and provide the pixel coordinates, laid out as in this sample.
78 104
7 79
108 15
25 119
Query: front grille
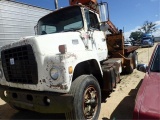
19 65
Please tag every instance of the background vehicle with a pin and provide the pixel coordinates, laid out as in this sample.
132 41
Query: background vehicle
18 20
147 40
127 43
147 100
136 42
66 66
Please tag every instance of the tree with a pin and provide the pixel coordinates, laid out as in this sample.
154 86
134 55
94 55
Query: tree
137 35
148 27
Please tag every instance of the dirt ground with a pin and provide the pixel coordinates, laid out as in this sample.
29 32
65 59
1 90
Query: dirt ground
117 105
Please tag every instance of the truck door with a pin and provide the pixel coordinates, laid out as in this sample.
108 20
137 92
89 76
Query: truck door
97 37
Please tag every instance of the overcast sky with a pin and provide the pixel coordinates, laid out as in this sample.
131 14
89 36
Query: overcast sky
127 14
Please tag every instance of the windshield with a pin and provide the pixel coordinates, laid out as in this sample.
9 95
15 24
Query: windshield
155 66
68 19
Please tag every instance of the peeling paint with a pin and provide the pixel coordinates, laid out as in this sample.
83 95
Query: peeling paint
44 80
59 86
69 55
70 78
54 86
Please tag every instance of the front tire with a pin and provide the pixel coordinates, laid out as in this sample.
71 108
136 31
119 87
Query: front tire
87 98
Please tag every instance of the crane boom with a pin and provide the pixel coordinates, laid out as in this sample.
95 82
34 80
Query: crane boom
112 27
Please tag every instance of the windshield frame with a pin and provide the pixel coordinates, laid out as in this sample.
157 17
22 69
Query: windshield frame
67 19
154 57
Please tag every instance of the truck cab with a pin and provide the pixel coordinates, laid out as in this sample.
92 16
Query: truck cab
147 40
76 20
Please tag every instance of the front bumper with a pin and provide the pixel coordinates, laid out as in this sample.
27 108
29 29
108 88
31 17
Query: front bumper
39 101
146 44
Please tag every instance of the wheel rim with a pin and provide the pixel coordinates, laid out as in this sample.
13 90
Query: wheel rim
136 62
90 102
132 65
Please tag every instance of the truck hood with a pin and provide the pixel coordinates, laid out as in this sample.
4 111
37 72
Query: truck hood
148 97
49 43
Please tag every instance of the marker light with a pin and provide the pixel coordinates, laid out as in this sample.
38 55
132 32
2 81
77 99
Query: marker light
62 49
70 69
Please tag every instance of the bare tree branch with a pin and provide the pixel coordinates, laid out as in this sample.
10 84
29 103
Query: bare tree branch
148 27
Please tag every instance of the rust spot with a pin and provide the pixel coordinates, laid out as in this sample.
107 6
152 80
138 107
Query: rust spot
59 86
44 80
64 87
71 55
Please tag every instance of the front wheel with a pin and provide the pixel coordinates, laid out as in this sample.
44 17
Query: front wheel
87 98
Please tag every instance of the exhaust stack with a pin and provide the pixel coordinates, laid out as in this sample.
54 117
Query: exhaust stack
56 4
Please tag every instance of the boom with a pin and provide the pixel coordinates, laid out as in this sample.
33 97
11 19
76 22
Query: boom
112 28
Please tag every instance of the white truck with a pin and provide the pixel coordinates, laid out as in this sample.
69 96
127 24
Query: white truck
18 20
64 68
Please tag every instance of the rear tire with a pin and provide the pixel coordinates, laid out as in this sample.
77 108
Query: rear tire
87 98
135 59
129 69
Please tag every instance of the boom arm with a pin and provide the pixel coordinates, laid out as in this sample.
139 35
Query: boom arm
112 28
92 4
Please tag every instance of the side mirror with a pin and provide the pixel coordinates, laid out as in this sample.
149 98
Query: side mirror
142 67
103 11
104 27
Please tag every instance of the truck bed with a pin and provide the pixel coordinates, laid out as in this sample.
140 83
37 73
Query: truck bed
129 49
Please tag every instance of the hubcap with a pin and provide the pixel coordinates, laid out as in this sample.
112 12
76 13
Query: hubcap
90 102
136 62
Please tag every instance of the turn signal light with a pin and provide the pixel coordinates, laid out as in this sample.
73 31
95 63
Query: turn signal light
70 70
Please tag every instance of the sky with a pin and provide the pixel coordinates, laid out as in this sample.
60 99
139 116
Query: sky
128 15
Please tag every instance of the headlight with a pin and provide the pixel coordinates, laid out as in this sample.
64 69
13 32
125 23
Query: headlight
54 73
